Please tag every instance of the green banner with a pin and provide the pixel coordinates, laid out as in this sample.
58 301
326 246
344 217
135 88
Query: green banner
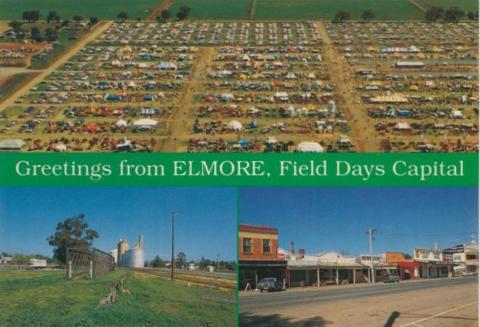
239 169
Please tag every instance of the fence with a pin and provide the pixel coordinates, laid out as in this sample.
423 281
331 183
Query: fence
88 263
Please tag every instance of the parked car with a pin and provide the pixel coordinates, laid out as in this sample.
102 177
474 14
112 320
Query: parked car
392 279
270 284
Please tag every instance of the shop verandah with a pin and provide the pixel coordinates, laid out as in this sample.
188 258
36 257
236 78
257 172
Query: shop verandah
323 275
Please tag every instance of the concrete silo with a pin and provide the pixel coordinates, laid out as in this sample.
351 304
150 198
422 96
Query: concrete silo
122 247
134 257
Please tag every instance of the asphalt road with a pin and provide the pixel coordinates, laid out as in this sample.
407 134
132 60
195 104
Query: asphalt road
289 298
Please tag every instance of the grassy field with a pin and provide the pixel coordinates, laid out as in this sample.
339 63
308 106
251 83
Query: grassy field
213 9
467 5
13 9
31 298
326 9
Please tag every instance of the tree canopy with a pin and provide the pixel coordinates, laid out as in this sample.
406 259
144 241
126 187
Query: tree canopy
71 233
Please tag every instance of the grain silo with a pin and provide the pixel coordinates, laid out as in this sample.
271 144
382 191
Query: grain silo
134 257
121 249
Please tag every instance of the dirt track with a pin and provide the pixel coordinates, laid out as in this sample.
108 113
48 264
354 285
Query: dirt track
177 124
342 75
67 55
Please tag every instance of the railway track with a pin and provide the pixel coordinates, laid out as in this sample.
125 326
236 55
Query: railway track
216 280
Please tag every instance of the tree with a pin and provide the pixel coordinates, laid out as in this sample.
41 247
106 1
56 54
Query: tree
53 17
433 14
77 19
453 14
181 260
165 15
71 233
407 256
31 15
157 262
21 259
341 16
51 34
368 15
183 12
123 15
472 15
94 20
35 34
16 26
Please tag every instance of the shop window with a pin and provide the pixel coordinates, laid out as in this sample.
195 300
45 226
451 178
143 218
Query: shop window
266 247
247 245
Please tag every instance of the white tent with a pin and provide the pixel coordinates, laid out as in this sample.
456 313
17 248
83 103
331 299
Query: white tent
235 125
456 114
271 140
121 123
60 147
146 122
402 126
309 147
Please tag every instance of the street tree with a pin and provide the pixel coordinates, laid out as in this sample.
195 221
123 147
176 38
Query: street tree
71 233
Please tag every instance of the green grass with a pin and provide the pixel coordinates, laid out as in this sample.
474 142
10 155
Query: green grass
106 9
40 299
213 9
467 5
326 9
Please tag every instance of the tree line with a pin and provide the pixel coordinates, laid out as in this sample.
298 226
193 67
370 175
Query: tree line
433 14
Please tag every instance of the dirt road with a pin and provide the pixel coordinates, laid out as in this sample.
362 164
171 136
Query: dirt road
426 303
343 76
177 124
89 36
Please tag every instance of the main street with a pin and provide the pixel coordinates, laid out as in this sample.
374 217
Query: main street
434 302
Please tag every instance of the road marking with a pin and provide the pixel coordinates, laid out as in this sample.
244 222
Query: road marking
415 323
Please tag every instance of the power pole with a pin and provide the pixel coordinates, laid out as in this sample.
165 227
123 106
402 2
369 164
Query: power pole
217 262
172 263
370 233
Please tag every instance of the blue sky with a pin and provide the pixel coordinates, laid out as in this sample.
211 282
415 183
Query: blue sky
336 218
206 223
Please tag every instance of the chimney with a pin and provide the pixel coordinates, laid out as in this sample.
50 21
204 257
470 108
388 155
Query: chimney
301 253
292 248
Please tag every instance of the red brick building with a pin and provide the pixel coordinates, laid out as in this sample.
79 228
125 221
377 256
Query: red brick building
258 255
258 243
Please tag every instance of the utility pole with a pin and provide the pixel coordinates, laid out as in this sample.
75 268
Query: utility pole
217 262
172 263
370 233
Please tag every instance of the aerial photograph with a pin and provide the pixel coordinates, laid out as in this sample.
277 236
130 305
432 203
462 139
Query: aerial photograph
239 76
352 256
124 257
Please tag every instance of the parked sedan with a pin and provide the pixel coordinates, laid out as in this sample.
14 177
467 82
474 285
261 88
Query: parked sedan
392 279
270 284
